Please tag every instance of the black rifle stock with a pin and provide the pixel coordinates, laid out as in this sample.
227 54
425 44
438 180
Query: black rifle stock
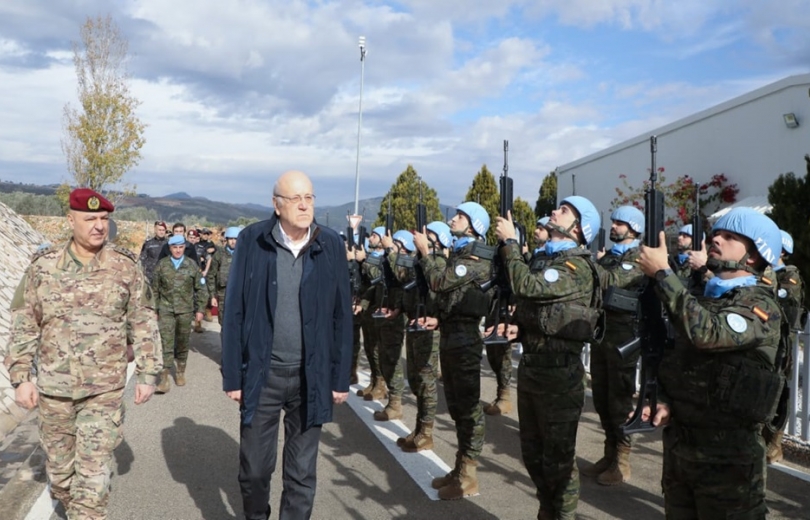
599 243
385 268
419 281
499 275
652 324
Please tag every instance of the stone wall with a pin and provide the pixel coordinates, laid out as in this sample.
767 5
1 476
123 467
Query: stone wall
17 241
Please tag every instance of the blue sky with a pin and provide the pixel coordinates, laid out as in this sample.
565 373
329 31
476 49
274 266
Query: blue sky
236 92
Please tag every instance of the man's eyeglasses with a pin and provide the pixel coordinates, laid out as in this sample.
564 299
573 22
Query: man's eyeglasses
297 199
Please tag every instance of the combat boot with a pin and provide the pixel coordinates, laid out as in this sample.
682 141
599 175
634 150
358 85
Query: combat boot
501 405
393 410
378 391
423 440
409 438
464 484
198 326
164 384
180 373
602 464
208 316
363 392
619 471
774 448
440 482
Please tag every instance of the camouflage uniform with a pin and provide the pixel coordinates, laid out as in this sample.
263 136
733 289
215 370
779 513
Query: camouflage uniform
371 334
554 296
718 381
461 305
150 252
613 379
217 279
421 348
392 333
73 323
178 292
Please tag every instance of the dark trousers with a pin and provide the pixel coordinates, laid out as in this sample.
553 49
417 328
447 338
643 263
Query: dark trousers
258 444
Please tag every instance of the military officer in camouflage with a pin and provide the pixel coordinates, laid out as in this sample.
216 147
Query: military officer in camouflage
613 378
790 294
556 312
371 271
217 279
76 309
461 304
179 294
720 381
421 340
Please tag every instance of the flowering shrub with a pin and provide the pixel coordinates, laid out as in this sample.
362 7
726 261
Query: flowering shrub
679 196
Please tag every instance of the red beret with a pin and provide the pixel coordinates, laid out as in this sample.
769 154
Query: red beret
85 199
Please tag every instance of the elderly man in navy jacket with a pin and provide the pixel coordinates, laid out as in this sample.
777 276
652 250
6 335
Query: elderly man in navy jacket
286 345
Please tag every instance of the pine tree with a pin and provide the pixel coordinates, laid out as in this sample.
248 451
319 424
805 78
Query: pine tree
404 196
547 196
789 195
484 191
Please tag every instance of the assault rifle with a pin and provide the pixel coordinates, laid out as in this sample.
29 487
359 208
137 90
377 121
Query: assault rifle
697 241
418 282
653 332
354 267
386 275
499 276
599 243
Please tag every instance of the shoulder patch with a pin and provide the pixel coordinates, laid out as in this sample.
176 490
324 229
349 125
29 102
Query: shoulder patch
552 275
782 293
123 251
42 251
737 323
627 266
461 270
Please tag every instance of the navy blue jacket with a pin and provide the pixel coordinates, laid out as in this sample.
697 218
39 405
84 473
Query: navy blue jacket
326 318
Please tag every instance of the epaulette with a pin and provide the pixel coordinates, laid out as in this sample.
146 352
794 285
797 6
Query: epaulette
124 251
42 251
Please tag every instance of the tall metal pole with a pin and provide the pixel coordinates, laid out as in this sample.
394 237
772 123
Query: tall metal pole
359 124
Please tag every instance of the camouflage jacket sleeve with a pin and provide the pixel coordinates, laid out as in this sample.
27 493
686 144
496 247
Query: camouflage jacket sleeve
213 275
572 278
745 323
793 284
200 291
441 278
625 275
142 331
26 317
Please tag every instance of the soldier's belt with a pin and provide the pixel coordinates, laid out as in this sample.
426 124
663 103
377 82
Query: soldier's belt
621 300
550 359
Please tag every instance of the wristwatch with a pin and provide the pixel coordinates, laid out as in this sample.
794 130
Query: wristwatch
662 273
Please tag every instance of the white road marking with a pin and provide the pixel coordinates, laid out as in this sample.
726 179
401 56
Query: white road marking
423 466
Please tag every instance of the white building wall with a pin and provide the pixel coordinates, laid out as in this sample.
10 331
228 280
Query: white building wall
746 138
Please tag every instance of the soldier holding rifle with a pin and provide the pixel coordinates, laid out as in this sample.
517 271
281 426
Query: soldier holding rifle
557 310
721 380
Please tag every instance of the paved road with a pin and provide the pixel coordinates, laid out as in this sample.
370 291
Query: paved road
179 462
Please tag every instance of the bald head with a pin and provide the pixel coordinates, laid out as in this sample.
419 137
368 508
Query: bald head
292 181
294 203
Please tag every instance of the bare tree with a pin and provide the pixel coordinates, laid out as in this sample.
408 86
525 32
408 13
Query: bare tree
102 139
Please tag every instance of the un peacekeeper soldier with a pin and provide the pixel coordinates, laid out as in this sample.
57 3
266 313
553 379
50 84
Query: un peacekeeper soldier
690 266
371 269
556 313
719 383
461 305
790 294
359 285
217 279
73 314
391 329
421 340
150 251
179 290
613 379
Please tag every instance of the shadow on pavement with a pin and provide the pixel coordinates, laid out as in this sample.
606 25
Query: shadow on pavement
206 460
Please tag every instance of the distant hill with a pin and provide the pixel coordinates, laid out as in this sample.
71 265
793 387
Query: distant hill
174 206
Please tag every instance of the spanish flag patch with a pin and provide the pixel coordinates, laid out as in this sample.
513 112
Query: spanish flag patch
570 265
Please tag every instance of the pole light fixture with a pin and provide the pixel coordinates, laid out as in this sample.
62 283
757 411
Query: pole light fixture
362 44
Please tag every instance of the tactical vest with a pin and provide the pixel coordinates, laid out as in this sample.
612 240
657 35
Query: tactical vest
467 301
733 389
572 318
621 300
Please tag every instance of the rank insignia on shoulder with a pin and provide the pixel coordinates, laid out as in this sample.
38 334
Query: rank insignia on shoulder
794 282
760 313
737 323
766 280
570 265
